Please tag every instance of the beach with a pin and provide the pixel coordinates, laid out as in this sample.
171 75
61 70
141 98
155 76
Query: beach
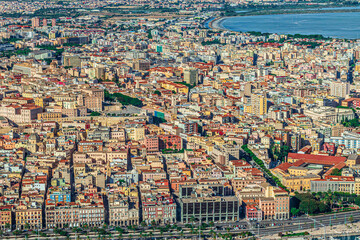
216 23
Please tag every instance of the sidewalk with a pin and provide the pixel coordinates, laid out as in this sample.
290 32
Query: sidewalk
349 228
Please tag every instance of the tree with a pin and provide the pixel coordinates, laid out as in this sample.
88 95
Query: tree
213 233
357 200
95 114
7 225
192 219
27 226
324 207
123 99
157 92
295 211
16 232
336 172
153 223
351 123
119 230
308 206
149 34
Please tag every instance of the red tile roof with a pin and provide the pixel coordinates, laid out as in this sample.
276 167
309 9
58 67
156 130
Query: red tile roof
317 159
284 166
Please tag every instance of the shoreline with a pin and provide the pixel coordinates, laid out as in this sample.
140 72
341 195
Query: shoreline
216 23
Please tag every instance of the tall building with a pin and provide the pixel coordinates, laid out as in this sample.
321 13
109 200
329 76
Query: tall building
208 203
53 22
339 89
100 73
191 76
258 104
44 22
295 142
122 212
72 60
248 88
28 216
141 65
6 216
35 22
224 153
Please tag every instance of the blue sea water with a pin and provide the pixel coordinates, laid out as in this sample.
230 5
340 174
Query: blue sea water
338 25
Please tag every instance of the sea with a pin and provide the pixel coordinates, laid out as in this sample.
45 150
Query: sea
337 25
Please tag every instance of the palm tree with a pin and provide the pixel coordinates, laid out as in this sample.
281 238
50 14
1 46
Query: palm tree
331 203
143 224
119 230
340 202
7 225
153 223
27 226
85 226
192 219
212 233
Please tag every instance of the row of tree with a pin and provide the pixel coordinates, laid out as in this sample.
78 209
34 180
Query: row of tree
123 99
263 167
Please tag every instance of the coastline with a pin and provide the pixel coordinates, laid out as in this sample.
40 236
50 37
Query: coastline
216 24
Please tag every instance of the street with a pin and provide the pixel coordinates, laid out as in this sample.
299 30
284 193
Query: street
259 229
